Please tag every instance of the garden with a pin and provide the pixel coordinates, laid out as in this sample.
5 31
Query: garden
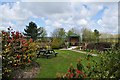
19 58
58 66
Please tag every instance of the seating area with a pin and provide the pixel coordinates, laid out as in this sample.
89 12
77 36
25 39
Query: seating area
46 53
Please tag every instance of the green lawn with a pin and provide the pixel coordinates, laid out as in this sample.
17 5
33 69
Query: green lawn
49 67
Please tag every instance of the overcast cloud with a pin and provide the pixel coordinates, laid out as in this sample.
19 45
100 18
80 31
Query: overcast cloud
95 15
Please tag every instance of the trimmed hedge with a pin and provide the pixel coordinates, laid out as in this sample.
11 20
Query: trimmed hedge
98 46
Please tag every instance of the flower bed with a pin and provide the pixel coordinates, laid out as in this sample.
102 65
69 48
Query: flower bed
80 72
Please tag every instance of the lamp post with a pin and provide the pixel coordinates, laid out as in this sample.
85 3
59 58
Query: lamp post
80 41
81 37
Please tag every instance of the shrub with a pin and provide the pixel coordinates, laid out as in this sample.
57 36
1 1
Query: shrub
102 45
117 46
90 46
74 73
108 67
56 43
17 52
98 46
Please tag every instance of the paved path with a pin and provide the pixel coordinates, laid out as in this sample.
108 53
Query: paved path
71 49
85 52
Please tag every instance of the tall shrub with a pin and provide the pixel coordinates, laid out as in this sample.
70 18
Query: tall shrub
16 52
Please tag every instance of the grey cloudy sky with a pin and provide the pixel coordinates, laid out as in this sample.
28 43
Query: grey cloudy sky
50 15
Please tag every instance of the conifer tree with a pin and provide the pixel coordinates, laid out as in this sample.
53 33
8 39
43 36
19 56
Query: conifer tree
32 31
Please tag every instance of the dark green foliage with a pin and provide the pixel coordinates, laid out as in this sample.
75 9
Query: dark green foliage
117 46
109 66
79 66
32 31
96 34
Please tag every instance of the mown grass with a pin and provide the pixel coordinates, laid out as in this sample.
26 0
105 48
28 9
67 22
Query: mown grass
60 64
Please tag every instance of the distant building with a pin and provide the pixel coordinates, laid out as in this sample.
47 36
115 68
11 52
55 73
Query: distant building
74 40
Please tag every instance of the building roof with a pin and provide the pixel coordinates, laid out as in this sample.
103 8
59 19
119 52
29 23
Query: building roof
74 35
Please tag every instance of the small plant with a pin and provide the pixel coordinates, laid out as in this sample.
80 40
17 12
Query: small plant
74 73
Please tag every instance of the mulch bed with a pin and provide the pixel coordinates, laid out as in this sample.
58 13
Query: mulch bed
28 72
